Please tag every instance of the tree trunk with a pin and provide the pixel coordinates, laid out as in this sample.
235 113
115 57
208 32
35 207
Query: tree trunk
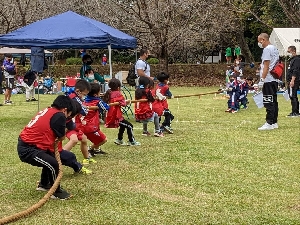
163 59
244 46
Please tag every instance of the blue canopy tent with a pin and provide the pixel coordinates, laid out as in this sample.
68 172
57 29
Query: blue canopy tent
69 30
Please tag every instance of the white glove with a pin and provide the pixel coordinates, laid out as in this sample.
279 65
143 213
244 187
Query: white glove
261 84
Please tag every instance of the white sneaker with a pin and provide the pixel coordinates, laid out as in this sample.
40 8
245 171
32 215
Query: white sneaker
275 125
266 126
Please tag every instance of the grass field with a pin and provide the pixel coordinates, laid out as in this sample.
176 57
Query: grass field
216 168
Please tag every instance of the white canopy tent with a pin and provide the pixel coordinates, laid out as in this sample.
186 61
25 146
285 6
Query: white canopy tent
282 38
6 50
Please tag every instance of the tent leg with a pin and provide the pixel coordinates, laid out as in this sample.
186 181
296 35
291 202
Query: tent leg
110 63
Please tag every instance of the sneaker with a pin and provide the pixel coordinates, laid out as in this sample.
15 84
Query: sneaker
99 151
10 102
245 107
168 129
7 103
228 110
84 170
146 133
61 195
233 111
27 100
41 187
293 115
119 142
33 99
266 126
159 134
88 161
275 125
134 143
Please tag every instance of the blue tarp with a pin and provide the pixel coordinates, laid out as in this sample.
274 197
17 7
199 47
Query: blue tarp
68 30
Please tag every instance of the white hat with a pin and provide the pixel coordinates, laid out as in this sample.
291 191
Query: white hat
255 85
104 55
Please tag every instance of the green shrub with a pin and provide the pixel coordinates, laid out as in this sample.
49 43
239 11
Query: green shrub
73 61
153 61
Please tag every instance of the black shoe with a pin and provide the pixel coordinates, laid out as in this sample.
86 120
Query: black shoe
33 99
61 195
41 187
27 100
293 115
99 151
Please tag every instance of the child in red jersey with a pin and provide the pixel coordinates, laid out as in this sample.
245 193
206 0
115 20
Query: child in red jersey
82 88
114 117
91 122
36 141
162 90
143 110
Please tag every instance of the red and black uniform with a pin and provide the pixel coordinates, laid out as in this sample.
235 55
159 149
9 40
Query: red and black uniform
77 119
157 105
163 89
35 144
91 122
115 119
143 110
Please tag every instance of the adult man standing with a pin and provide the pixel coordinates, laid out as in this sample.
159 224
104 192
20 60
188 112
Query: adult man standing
268 83
9 71
142 68
293 79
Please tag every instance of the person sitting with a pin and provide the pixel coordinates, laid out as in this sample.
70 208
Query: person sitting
92 77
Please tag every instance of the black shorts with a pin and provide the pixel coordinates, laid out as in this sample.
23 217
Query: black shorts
9 83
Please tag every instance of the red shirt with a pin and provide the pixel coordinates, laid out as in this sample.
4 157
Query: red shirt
163 90
143 110
38 131
157 105
91 121
114 114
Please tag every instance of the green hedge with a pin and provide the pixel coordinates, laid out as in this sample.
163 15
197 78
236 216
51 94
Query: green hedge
73 61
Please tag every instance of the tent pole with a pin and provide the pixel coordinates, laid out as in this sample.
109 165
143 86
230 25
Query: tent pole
135 50
110 63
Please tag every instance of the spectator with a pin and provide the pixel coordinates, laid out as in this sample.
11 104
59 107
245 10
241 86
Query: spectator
104 60
82 52
268 83
237 51
142 68
9 71
228 54
86 64
293 78
29 79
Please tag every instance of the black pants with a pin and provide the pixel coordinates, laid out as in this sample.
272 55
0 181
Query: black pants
69 159
270 101
124 124
168 118
36 157
294 97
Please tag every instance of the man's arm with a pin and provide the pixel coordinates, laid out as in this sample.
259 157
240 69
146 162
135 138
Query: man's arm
296 72
265 69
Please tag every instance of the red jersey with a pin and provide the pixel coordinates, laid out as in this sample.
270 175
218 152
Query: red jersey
114 114
143 110
157 105
163 90
38 131
91 121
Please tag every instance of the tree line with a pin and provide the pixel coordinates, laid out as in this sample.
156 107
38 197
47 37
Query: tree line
174 30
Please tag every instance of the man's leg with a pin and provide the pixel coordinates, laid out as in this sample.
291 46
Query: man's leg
294 98
268 100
